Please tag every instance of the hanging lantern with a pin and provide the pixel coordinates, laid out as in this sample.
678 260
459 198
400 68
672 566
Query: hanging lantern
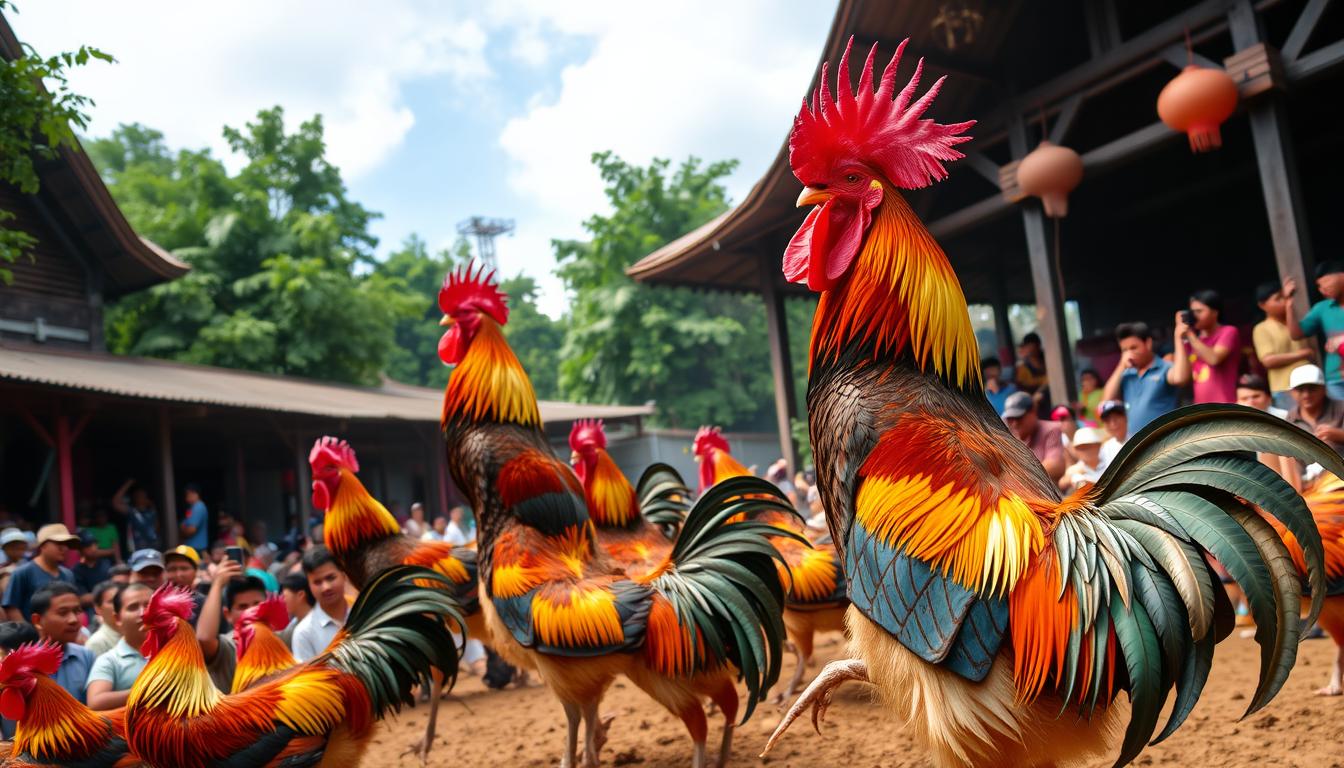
1050 172
1196 102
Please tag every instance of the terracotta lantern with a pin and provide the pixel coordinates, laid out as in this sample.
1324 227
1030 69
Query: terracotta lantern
1050 172
1196 102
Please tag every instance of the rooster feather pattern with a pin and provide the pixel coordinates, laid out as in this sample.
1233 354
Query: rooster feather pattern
999 621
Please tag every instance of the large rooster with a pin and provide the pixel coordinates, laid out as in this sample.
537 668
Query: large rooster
261 652
816 601
636 525
365 539
997 619
554 598
53 729
319 714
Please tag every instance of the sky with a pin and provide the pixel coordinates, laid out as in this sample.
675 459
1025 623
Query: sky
437 111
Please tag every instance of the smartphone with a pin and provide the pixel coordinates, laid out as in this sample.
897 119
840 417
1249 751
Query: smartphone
1188 317
235 554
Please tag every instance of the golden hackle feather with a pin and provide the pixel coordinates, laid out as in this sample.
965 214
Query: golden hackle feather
610 496
175 679
56 725
266 655
490 384
355 517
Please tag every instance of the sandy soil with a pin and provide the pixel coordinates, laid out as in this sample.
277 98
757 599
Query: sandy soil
526 727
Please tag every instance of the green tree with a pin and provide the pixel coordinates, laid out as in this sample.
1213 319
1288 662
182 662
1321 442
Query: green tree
700 356
40 114
276 283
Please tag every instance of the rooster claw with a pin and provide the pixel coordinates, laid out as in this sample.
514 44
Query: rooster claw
818 696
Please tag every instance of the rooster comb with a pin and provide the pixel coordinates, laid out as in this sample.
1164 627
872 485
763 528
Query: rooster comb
882 130
464 290
709 437
587 433
29 660
271 612
335 451
168 602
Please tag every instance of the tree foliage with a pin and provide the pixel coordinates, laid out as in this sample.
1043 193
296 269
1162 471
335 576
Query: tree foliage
701 356
39 115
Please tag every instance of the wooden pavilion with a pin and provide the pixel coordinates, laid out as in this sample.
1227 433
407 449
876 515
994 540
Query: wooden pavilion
1150 222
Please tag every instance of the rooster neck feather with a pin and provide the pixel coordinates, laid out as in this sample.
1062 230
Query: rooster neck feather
56 726
717 466
490 384
266 655
610 496
901 299
356 518
175 680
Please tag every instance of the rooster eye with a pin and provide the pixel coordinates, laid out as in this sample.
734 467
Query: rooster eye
851 178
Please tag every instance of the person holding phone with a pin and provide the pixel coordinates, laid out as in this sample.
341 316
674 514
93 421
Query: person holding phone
1214 348
1147 384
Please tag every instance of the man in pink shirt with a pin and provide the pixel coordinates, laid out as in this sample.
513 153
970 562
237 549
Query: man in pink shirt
1042 437
1214 349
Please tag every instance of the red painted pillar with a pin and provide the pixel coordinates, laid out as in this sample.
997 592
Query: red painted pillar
64 461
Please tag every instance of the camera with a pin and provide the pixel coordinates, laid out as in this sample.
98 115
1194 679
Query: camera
1188 317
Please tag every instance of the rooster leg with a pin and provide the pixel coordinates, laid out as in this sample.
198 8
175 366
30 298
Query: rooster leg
698 758
792 686
725 695
421 748
818 695
572 716
594 734
1336 685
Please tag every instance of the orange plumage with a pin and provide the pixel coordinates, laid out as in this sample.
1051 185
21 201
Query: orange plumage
261 653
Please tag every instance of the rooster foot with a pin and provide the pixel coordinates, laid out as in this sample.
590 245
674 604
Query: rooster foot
818 695
600 733
420 749
1330 690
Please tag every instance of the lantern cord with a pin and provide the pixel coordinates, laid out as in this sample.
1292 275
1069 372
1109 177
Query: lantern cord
1189 49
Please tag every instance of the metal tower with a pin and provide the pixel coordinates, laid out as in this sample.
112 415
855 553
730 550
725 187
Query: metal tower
485 231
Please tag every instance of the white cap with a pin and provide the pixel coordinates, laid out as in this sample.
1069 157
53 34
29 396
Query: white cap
1087 436
1306 374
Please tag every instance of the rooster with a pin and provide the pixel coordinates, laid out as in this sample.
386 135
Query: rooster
261 653
999 621
635 524
816 601
53 729
319 714
553 598
365 539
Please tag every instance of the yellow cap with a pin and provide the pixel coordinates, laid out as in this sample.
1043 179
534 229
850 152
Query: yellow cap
184 551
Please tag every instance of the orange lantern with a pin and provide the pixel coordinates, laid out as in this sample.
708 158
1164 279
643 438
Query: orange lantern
1196 102
1050 172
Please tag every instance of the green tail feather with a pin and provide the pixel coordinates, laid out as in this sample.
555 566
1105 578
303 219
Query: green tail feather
663 496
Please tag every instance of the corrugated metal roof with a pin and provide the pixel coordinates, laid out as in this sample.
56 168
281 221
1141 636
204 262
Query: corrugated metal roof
148 379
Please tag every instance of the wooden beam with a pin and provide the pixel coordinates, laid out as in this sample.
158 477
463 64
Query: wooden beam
1318 62
1103 27
1127 147
1064 122
971 216
1302 29
167 485
1177 56
38 429
983 166
781 367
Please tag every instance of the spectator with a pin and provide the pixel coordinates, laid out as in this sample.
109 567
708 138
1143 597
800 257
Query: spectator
1042 437
105 533
1326 318
91 570
12 635
1068 426
142 518
1087 471
181 566
104 602
996 389
327 584
1316 411
231 593
115 671
55 613
298 601
53 542
1115 420
259 565
458 533
147 568
1275 346
1215 350
231 532
1253 392
1030 375
416 526
120 573
1089 396
778 473
14 546
1148 385
195 526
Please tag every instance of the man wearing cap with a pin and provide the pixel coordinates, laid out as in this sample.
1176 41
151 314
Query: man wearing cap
1042 437
1316 411
180 566
1325 318
53 543
13 553
1149 385
1114 417
147 568
1087 447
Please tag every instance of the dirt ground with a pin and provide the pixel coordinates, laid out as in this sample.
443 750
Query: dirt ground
526 727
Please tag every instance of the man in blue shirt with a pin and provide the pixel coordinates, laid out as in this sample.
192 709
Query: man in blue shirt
1149 385
56 614
53 544
195 526
1325 319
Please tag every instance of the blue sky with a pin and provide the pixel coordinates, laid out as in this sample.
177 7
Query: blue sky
436 111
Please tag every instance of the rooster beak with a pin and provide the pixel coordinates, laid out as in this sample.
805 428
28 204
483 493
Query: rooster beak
573 457
813 196
446 321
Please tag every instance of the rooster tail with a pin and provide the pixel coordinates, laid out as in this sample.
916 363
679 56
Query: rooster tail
662 495
398 629
1187 484
721 579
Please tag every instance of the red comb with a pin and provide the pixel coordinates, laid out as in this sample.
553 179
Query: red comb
863 127
587 433
464 290
271 612
709 437
30 659
168 602
335 451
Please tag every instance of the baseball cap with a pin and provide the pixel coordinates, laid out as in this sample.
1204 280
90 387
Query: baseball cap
86 538
56 532
1329 268
1108 407
1304 375
183 551
11 535
146 558
1087 436
1060 413
1016 405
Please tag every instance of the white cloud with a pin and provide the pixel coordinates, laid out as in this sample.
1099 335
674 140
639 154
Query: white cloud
211 64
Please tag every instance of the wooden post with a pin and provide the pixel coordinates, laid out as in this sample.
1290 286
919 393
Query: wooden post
66 470
1003 327
1277 163
240 478
167 485
302 481
781 367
